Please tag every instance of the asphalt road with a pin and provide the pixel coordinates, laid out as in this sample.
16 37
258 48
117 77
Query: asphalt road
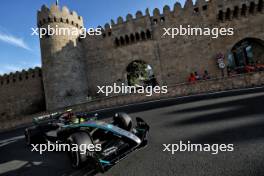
235 117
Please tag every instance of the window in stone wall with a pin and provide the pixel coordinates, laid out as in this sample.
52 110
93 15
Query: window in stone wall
221 15
148 34
122 41
252 8
132 38
235 12
196 10
260 5
244 10
228 14
137 37
205 7
143 36
117 42
127 39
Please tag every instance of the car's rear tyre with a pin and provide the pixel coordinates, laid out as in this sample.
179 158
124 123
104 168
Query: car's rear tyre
78 157
123 120
33 135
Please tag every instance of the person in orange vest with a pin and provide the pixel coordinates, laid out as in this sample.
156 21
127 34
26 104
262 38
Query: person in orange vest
192 78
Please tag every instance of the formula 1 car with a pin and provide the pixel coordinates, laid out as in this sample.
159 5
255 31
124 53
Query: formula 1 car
117 138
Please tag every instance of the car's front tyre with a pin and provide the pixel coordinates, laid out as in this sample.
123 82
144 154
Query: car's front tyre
33 136
78 157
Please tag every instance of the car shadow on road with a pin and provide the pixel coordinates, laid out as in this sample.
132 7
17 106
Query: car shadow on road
18 160
235 109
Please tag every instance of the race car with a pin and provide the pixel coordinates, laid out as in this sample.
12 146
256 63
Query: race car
117 138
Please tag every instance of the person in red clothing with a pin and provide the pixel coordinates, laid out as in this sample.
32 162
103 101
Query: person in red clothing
192 78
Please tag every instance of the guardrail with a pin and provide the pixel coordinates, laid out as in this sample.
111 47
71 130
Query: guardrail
176 90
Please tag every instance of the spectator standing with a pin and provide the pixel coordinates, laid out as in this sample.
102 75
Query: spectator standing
206 75
192 78
197 76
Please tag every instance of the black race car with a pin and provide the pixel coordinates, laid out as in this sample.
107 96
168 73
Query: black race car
116 139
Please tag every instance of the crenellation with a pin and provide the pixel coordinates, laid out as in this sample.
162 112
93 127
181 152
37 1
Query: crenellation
147 12
166 10
139 14
55 14
243 9
156 12
188 5
120 20
20 76
129 17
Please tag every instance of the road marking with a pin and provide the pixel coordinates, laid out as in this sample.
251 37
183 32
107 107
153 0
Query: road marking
10 140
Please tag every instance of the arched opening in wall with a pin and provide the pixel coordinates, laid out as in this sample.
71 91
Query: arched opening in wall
252 8
244 10
221 15
139 73
228 14
260 5
235 12
247 55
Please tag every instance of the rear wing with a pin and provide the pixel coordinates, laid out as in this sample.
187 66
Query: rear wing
46 118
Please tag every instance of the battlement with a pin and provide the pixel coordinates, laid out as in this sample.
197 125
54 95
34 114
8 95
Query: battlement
157 17
189 6
55 14
229 12
23 75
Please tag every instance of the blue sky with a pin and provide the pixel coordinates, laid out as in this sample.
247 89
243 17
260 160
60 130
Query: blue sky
19 50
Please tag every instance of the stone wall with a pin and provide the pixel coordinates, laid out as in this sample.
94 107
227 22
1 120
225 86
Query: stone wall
172 60
21 94
179 90
184 89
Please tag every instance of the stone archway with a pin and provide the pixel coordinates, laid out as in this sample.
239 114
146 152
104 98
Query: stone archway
139 73
248 52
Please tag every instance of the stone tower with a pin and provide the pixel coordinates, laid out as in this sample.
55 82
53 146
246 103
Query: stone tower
63 69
